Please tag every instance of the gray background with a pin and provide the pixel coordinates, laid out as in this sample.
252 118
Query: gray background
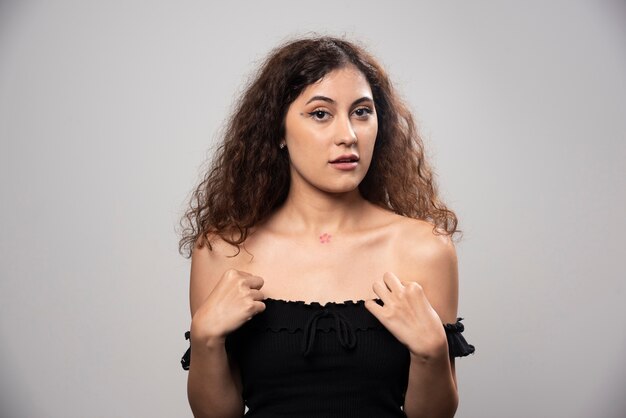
107 113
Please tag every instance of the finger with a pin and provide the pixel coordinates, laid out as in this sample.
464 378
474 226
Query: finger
416 289
381 291
256 294
254 282
392 282
374 308
259 307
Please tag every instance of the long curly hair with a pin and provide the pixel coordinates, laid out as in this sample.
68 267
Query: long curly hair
249 175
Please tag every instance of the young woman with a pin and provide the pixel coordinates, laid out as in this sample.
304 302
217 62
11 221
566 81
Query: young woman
323 273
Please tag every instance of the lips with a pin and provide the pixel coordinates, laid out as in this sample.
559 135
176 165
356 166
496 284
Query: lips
346 158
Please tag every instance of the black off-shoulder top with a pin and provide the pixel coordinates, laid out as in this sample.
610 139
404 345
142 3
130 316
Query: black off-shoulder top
304 360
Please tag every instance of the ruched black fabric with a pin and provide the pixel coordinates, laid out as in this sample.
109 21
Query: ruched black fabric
305 360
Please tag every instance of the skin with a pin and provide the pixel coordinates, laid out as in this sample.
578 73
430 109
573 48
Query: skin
340 247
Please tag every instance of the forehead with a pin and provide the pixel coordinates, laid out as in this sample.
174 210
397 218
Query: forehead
346 82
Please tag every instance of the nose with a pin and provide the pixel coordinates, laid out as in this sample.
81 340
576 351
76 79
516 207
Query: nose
345 132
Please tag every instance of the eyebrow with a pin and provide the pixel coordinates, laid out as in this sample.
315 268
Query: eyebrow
329 100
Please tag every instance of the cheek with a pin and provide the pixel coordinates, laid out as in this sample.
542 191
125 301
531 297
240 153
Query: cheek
367 140
367 134
306 151
303 141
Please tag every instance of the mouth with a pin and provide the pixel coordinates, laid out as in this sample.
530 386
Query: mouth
346 159
346 162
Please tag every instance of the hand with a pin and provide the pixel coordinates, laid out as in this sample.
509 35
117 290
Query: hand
409 316
235 299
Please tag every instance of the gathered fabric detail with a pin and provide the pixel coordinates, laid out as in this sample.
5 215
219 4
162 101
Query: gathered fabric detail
345 318
457 345
186 360
345 332
298 316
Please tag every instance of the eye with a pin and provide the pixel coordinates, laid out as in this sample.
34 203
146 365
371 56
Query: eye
363 112
319 114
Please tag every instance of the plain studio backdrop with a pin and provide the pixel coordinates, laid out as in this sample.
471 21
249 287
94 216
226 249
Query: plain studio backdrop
109 110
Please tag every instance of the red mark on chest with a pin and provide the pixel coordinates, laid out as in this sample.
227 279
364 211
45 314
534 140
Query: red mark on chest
325 238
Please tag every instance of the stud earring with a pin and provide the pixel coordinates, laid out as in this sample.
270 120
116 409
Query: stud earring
282 145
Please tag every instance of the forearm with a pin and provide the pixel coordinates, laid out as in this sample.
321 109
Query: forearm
211 389
431 390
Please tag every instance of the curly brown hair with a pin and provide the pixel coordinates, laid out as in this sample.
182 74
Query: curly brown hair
249 176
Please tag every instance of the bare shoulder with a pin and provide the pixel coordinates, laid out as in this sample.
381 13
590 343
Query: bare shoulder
207 267
430 259
420 239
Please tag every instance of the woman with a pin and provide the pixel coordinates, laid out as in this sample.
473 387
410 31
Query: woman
337 305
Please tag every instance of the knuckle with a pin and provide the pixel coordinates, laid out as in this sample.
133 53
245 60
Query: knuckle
248 306
414 287
230 274
390 312
244 289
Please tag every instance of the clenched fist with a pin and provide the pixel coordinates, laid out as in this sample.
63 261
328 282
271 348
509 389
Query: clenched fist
235 299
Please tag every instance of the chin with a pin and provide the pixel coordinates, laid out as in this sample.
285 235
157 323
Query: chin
343 188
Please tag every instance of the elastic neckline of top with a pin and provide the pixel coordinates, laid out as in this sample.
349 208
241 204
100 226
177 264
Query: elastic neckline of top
315 304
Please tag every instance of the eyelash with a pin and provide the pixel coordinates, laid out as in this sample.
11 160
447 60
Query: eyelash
314 113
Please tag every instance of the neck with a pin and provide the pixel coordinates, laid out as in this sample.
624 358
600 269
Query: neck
322 213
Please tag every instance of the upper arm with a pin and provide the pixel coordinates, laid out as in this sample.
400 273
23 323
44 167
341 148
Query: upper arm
202 276
431 261
441 286
434 265
440 278
207 267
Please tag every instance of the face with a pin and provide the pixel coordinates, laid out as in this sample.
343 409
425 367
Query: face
332 118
